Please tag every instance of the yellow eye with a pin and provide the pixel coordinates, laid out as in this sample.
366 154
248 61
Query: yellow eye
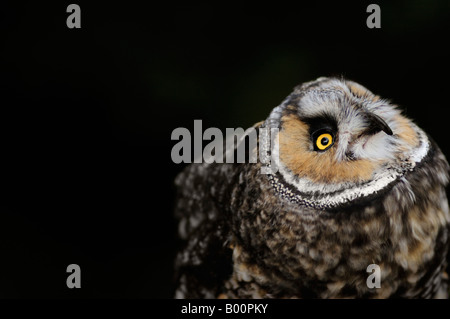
324 141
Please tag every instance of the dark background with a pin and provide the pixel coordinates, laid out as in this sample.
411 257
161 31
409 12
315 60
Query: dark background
86 117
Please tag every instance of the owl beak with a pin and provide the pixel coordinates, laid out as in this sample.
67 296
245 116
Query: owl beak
376 124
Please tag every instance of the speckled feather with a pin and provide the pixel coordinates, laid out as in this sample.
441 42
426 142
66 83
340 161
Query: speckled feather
245 238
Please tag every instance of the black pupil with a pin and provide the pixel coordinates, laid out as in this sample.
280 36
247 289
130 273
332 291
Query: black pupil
324 140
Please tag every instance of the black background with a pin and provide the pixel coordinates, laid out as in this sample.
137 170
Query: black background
86 117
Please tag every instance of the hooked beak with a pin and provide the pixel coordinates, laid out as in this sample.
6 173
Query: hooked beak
376 124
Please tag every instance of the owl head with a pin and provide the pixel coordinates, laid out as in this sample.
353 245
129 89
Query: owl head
339 142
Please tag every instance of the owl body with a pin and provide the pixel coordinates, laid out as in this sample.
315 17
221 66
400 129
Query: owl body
356 184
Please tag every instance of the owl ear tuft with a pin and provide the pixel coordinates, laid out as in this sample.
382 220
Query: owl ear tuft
357 89
309 84
259 124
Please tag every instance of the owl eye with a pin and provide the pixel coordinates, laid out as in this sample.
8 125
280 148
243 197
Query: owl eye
322 140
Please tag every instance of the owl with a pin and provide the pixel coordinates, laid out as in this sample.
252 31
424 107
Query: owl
357 183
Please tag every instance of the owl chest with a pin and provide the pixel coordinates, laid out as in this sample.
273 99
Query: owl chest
330 259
